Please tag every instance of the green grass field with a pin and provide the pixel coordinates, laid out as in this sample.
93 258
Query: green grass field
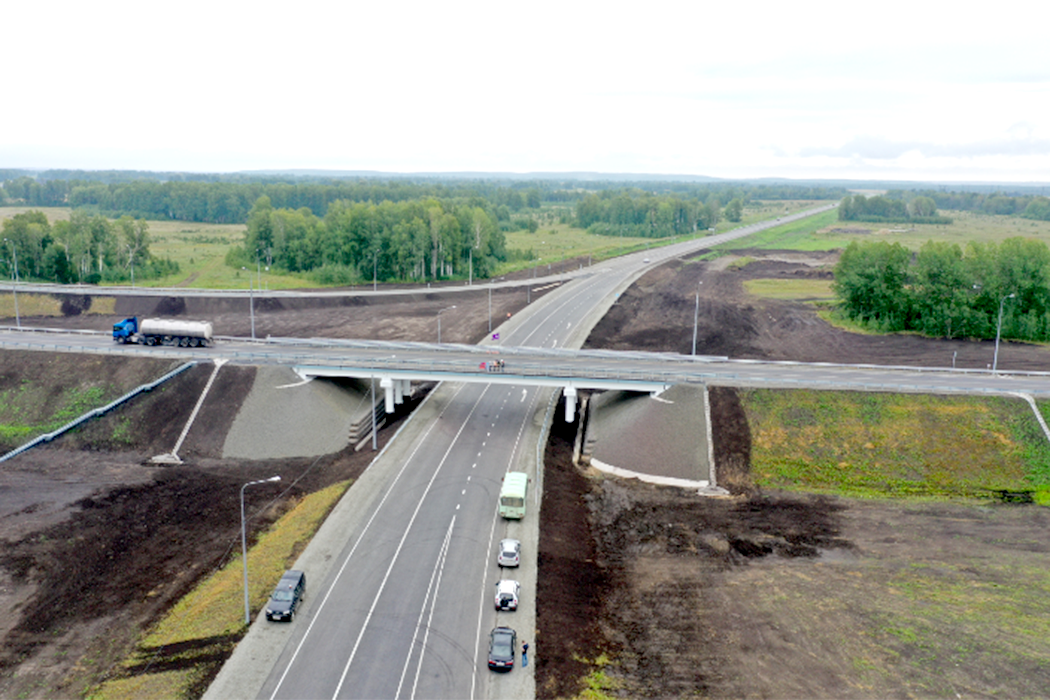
910 445
791 289
826 232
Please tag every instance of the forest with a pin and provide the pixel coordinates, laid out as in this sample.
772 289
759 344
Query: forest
86 249
947 291
417 240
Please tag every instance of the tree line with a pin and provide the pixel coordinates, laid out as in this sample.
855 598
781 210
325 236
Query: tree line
419 240
87 248
230 202
644 215
947 291
1035 207
918 210
227 198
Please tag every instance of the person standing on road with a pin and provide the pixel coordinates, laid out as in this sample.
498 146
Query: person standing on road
524 654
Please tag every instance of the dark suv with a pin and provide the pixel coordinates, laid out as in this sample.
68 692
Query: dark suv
286 597
503 642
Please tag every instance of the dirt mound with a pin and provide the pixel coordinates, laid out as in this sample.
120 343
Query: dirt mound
657 314
662 549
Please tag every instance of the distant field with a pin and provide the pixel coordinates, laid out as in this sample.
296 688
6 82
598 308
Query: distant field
200 250
826 232
552 243
53 213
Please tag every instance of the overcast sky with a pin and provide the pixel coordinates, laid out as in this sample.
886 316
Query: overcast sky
912 90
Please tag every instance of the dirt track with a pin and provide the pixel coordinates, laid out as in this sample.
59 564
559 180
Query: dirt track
619 562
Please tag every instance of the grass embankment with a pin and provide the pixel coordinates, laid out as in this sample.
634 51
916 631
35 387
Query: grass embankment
912 445
173 658
33 408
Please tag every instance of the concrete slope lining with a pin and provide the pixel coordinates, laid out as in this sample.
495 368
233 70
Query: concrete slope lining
306 420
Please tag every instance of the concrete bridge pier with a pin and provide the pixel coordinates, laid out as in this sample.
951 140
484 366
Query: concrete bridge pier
569 393
388 393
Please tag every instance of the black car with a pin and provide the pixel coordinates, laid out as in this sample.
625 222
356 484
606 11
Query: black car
503 642
286 597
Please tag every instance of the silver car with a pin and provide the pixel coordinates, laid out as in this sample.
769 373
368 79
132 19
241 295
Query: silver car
509 553
507 594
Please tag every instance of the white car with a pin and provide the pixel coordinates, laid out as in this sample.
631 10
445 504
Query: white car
507 594
509 553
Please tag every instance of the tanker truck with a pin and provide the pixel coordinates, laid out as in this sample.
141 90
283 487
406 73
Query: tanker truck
159 331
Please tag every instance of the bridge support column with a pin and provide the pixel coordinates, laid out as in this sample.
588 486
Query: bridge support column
388 393
400 389
569 393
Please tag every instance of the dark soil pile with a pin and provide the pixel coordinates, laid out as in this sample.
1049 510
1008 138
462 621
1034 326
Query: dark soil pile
571 584
657 314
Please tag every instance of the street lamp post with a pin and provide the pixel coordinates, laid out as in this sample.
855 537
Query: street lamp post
375 270
696 316
251 300
244 545
14 288
439 320
998 331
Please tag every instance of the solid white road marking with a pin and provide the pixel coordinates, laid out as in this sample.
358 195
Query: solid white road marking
430 598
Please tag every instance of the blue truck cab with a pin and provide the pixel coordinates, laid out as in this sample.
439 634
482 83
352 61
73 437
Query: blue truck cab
125 330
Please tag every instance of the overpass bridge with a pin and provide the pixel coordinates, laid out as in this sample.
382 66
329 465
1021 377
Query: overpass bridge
396 364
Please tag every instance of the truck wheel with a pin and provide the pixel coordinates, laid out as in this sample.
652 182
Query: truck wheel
184 342
151 340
